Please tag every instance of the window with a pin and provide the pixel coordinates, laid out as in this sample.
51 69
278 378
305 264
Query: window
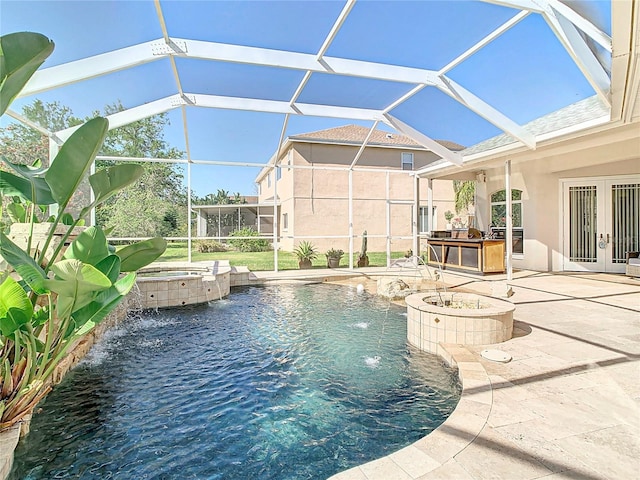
499 220
285 221
425 222
268 180
407 161
260 188
278 173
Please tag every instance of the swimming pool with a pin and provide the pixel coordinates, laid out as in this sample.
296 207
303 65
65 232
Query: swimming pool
278 382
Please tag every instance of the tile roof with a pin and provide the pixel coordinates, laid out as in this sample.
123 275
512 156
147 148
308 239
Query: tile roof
588 109
355 134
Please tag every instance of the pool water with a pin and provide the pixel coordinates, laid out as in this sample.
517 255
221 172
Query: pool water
277 382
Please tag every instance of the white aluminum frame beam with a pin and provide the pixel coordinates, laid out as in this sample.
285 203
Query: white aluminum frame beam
134 114
589 29
425 141
485 41
566 24
90 67
116 60
24 120
546 7
579 51
231 103
364 145
486 111
335 29
131 56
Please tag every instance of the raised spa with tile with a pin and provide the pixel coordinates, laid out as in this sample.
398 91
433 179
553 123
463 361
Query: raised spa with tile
175 284
457 318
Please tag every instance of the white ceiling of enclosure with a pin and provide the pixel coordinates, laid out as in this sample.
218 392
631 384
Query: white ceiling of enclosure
238 77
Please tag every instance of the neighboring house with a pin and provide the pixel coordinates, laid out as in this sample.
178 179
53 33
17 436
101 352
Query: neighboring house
576 198
311 182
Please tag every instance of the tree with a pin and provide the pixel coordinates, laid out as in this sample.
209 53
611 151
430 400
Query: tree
465 192
24 144
156 203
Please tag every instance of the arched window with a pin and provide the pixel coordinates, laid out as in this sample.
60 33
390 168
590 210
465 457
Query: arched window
499 217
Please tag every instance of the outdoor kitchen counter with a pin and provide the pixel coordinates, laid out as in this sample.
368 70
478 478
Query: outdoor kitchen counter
469 254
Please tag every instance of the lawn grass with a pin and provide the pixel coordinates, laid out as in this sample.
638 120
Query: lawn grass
263 261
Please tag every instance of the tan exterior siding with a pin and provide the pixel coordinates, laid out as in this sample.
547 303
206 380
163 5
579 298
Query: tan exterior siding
317 201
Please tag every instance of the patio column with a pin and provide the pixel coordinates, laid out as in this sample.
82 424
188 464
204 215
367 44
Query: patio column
189 212
430 204
388 222
415 224
509 220
258 219
275 220
350 219
201 223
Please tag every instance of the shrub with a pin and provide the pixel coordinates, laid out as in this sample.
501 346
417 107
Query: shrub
209 246
248 244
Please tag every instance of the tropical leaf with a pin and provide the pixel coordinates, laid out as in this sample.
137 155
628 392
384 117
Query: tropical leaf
67 219
74 159
27 171
21 54
109 181
89 247
17 213
140 254
15 307
110 266
26 266
76 284
35 190
92 314
40 317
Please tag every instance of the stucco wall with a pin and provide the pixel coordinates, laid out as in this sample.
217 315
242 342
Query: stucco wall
540 182
317 201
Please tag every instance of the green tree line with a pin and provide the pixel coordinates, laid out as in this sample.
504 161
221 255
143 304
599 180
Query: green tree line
155 205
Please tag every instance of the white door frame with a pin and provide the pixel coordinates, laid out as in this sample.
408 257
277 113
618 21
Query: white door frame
604 222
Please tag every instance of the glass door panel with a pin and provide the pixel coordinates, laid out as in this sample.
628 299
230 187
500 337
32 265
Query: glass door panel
601 223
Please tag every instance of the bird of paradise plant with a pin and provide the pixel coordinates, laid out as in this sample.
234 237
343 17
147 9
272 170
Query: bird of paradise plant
50 298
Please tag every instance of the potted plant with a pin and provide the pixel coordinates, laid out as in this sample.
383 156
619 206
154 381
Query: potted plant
52 293
448 216
363 259
333 257
306 253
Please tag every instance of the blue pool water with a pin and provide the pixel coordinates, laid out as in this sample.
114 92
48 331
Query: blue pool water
279 382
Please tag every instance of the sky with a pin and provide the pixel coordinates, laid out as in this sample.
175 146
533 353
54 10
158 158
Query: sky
524 74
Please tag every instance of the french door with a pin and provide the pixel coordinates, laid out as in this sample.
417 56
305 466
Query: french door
601 223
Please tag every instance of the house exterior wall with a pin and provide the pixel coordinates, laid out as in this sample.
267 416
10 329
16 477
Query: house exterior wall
607 154
317 201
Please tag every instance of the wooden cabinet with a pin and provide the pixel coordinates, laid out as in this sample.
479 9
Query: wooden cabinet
476 255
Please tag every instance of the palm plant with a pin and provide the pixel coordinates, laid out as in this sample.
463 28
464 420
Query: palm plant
306 253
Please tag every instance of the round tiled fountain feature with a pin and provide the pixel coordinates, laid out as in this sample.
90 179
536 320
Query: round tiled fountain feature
457 318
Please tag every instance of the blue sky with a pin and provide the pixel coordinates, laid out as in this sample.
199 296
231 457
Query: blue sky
525 73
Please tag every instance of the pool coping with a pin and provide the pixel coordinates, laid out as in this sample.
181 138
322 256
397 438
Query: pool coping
430 456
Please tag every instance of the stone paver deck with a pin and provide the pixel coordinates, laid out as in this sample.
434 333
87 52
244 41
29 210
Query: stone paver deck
566 407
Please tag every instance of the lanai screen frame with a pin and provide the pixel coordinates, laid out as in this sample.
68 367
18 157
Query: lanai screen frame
575 32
